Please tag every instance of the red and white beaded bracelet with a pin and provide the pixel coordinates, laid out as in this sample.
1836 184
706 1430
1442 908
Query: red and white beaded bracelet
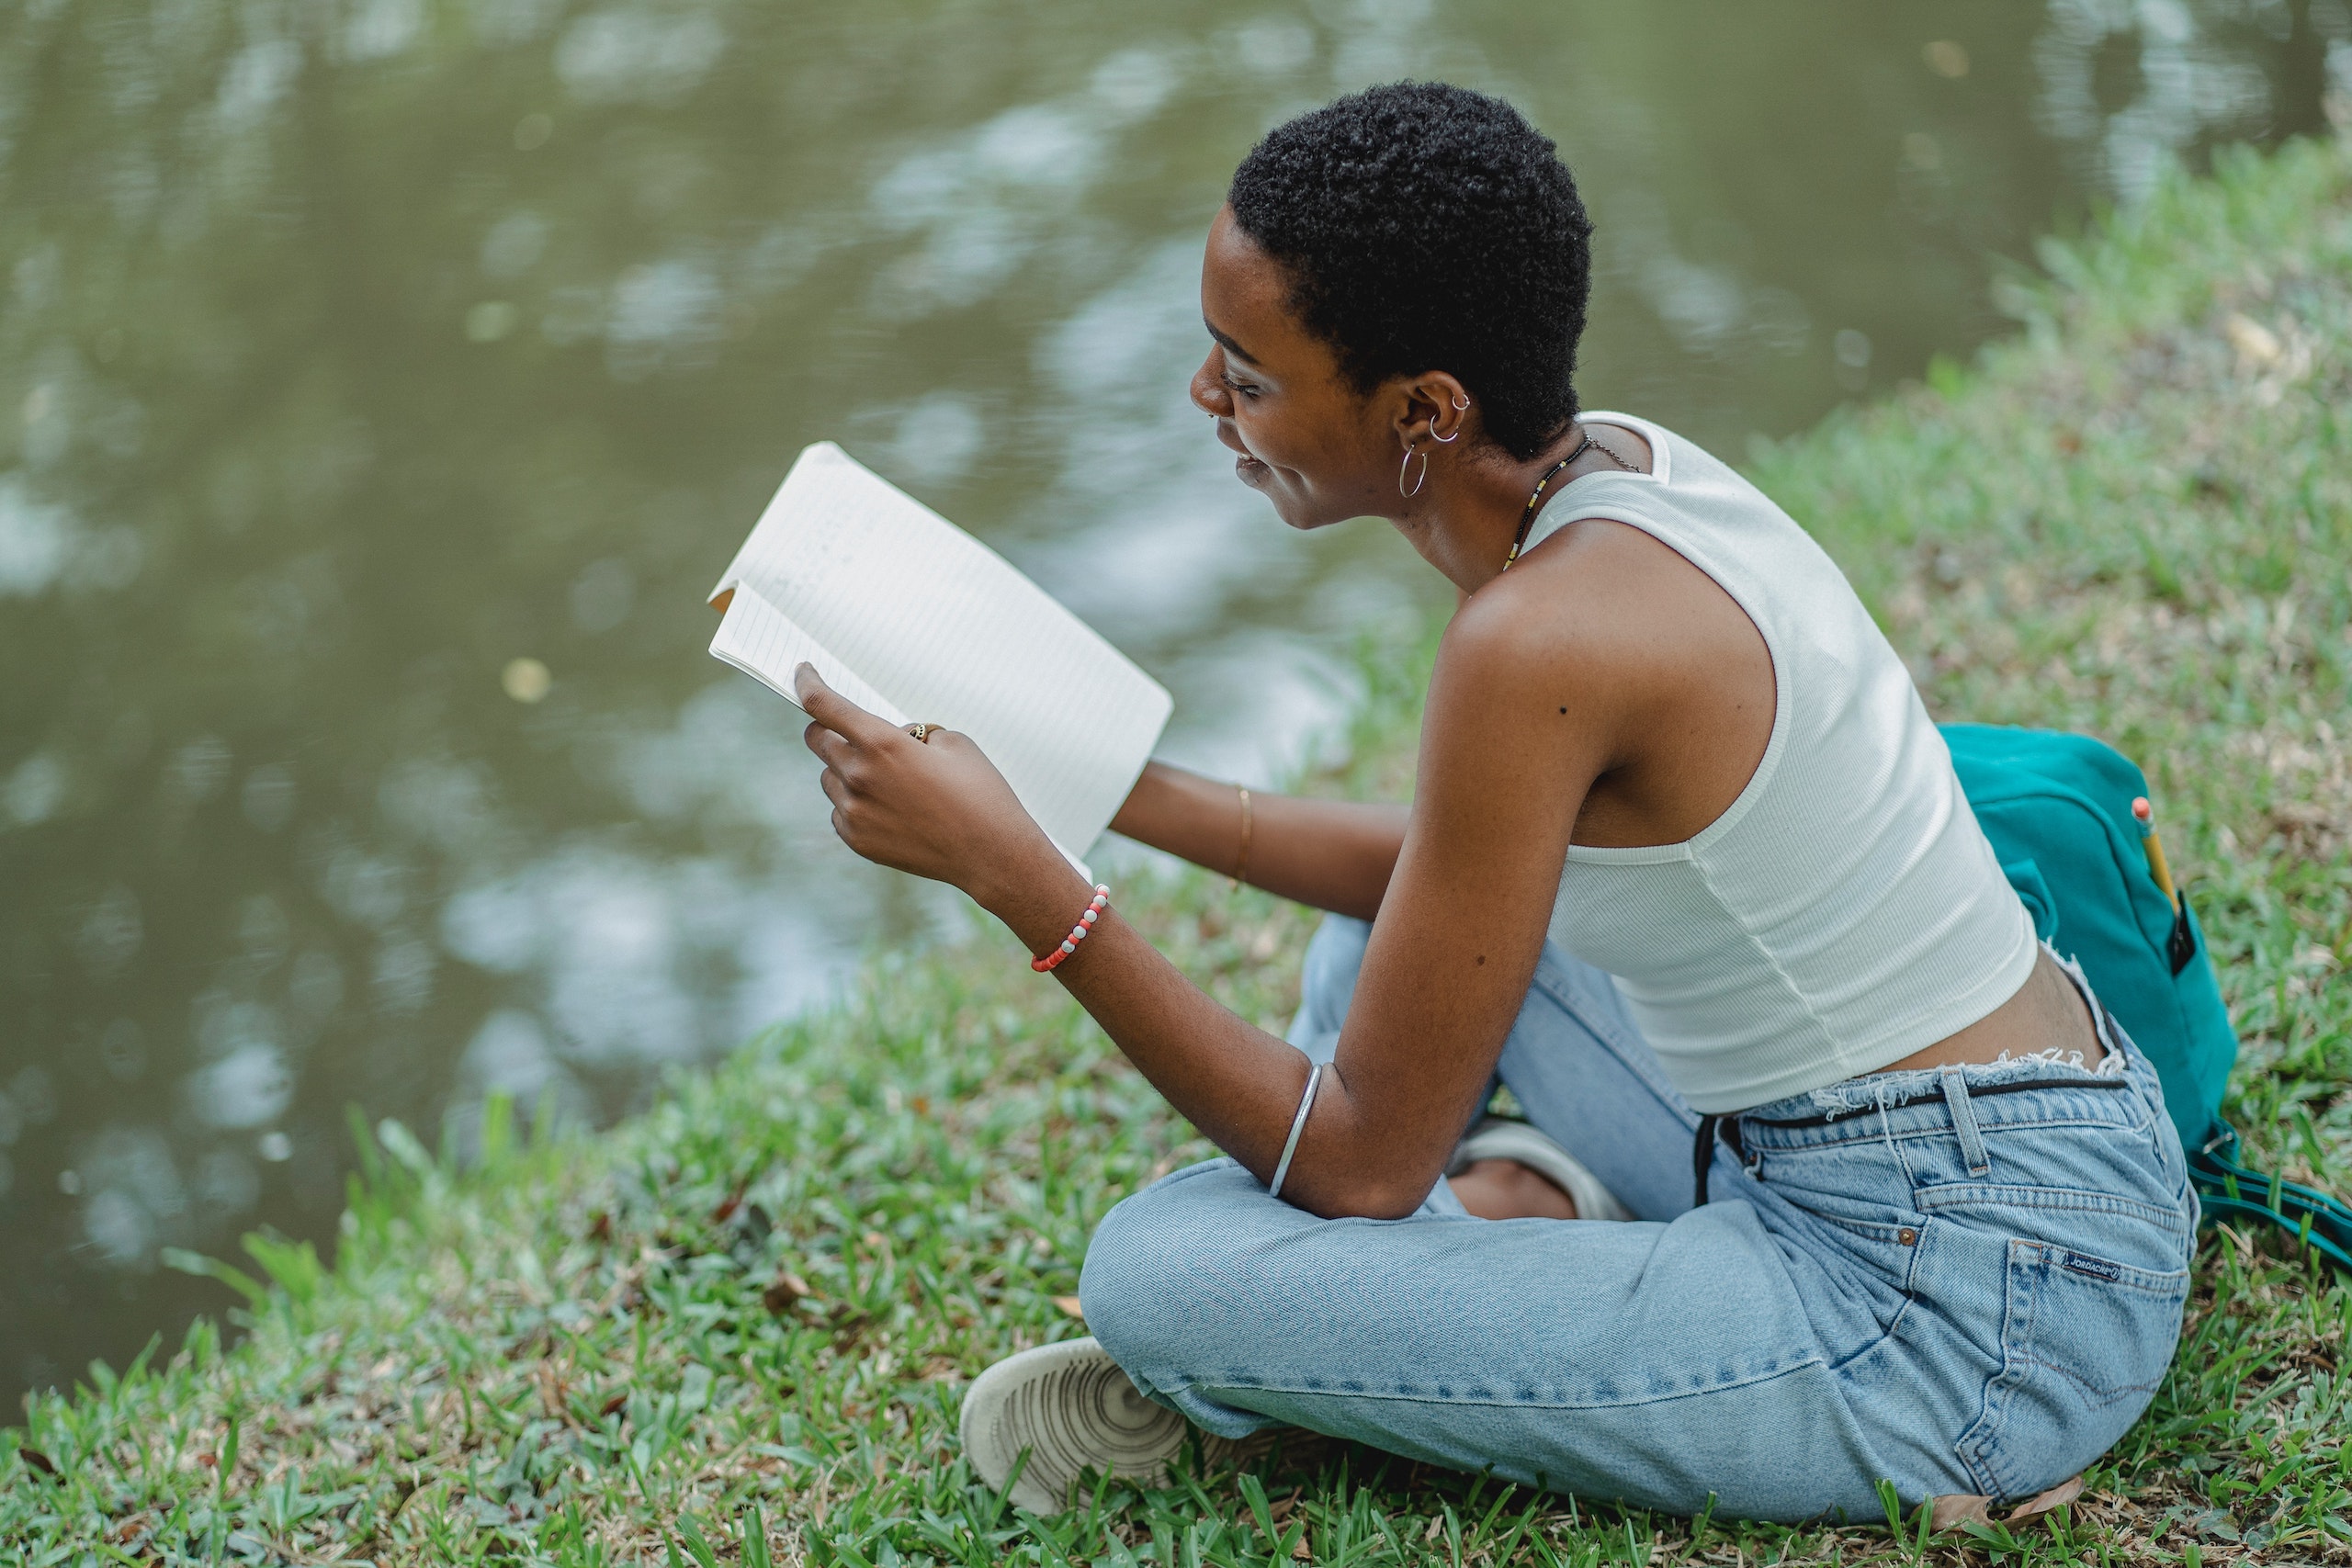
1102 901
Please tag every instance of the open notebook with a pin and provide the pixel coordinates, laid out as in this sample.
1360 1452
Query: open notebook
911 617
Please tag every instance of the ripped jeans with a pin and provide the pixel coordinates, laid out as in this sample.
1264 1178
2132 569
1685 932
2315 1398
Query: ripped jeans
1963 1279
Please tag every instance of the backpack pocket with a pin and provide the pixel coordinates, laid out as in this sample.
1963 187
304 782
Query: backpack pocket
2085 1341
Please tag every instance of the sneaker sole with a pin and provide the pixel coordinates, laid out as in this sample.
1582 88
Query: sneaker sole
1071 1407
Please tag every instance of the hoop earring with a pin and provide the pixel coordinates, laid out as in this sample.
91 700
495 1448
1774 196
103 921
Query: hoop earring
1462 407
1417 483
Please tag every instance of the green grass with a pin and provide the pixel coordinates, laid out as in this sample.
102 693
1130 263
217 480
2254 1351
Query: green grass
736 1329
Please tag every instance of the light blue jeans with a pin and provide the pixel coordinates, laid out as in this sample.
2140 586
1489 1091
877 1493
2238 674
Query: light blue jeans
1964 1280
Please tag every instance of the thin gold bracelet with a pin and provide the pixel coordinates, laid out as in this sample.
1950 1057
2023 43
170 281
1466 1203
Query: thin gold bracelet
1241 861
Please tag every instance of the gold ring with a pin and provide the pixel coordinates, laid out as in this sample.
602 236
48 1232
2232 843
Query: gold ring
922 732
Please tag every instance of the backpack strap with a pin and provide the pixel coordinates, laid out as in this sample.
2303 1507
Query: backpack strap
2315 1220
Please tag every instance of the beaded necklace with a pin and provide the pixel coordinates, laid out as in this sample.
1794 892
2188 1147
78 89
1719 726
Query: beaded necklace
1527 515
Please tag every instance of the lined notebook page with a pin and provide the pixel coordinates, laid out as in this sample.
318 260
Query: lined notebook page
938 627
760 641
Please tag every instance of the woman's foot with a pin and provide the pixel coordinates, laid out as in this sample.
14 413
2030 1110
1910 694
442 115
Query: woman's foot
1070 1408
1508 1170
1506 1190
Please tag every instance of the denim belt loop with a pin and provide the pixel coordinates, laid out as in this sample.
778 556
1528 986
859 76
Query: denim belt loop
1963 1120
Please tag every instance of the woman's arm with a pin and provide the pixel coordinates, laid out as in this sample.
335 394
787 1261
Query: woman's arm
1326 854
1505 766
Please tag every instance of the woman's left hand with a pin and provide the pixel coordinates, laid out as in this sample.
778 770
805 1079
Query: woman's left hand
935 807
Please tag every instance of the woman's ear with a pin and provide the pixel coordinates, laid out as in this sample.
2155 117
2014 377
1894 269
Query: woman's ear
1432 407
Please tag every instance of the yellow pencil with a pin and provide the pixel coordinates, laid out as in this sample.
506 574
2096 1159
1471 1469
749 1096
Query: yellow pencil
2147 815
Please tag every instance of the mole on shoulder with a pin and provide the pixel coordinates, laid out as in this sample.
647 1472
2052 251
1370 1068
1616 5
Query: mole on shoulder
1564 710
1482 958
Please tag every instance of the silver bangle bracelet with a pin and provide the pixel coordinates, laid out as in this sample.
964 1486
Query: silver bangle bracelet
1297 1125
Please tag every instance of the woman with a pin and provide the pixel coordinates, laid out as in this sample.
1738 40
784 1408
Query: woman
1687 868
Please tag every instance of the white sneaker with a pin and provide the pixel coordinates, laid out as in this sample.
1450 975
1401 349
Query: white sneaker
1071 1407
1494 1138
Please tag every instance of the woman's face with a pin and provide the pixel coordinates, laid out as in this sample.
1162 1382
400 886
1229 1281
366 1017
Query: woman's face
1319 449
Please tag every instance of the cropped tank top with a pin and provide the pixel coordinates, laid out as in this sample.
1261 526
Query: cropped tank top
1846 910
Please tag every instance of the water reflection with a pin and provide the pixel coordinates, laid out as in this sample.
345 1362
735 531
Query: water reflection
2125 85
382 382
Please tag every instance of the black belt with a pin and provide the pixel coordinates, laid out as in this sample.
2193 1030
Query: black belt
1703 1152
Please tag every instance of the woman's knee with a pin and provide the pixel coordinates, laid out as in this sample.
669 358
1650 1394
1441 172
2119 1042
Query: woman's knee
1158 1264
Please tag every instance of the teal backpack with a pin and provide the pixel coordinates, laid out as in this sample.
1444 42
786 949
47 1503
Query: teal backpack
2058 810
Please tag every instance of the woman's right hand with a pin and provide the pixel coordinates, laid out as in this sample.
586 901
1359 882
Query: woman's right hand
936 809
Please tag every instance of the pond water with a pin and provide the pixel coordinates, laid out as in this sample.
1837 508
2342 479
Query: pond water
382 383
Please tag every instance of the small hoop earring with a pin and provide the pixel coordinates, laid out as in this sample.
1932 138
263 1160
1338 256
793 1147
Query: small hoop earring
1462 407
1419 482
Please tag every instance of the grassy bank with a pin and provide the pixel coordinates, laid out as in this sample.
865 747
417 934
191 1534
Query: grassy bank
736 1329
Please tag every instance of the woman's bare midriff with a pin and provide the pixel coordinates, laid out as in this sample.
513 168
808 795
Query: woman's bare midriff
2047 1013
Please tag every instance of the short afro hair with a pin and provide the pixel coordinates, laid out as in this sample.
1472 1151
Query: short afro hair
1427 227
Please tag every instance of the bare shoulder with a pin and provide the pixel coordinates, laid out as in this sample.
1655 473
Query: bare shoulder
1537 681
1581 606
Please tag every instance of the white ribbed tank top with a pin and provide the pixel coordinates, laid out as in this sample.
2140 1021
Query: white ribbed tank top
1846 910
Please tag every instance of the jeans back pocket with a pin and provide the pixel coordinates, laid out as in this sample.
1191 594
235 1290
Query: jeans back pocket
2085 1341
